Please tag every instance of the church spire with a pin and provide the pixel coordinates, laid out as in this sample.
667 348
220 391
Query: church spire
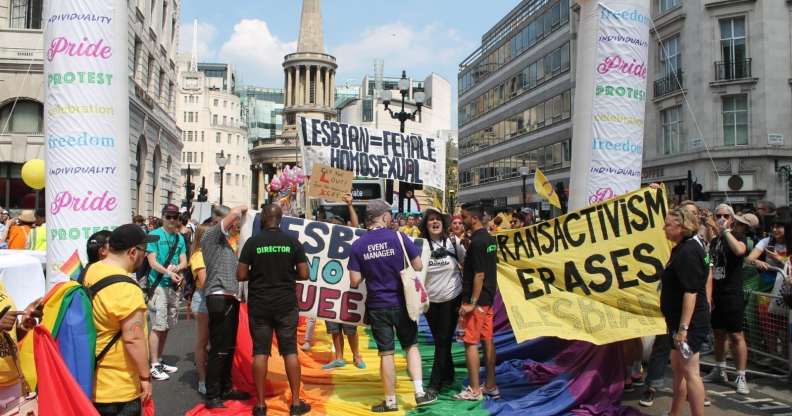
311 38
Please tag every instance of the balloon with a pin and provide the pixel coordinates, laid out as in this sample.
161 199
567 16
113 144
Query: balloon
275 184
33 173
301 179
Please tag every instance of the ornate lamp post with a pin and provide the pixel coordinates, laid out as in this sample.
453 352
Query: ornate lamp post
222 161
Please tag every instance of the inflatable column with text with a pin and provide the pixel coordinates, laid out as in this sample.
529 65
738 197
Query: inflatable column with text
86 112
610 100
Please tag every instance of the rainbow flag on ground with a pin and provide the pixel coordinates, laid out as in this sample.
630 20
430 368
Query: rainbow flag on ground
73 266
543 377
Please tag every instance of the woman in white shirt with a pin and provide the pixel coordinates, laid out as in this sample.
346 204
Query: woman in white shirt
444 286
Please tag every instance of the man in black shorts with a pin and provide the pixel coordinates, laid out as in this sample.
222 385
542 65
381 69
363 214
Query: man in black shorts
726 259
272 261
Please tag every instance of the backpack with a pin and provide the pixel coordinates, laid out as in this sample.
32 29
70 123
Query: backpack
75 331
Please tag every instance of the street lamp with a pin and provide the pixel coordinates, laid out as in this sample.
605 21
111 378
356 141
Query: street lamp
402 116
524 172
222 161
451 194
404 90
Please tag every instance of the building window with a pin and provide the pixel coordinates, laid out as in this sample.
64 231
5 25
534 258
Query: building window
26 118
368 110
164 14
671 121
160 88
229 140
216 102
735 120
136 57
149 70
217 137
26 14
670 56
202 136
217 178
170 95
733 48
666 5
214 120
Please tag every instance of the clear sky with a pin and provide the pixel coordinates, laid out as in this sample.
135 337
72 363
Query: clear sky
419 36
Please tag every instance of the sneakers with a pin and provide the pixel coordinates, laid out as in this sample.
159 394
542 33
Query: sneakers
168 368
742 385
260 411
158 373
425 399
299 409
236 395
717 375
202 387
707 401
383 407
334 364
492 394
629 388
647 398
469 395
215 403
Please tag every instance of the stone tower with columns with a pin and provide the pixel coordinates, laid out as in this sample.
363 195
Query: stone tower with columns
309 74
309 91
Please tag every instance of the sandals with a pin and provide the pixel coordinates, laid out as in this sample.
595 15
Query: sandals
334 364
469 395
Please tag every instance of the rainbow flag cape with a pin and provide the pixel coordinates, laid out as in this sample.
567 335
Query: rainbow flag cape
547 376
73 266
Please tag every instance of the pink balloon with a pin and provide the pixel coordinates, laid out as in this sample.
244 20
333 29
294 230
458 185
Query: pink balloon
275 184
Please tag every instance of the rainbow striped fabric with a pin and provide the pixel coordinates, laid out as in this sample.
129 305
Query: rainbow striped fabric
73 266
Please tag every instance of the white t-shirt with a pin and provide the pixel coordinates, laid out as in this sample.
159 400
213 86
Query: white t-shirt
443 276
778 247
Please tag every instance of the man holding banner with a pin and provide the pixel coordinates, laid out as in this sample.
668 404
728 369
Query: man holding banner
378 258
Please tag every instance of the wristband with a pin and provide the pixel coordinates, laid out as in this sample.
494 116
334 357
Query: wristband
683 327
146 378
473 301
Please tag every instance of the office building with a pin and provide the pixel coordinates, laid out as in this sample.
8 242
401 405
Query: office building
154 138
210 116
515 101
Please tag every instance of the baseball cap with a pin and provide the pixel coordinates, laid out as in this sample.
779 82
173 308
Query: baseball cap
170 209
128 236
377 207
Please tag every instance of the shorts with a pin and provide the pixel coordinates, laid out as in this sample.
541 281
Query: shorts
336 328
284 324
383 322
163 308
130 408
729 313
477 324
198 302
695 338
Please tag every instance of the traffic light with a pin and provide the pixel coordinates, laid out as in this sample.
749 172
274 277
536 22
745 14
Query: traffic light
697 192
203 192
190 191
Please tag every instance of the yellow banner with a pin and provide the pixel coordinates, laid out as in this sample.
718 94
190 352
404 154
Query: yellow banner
545 189
590 275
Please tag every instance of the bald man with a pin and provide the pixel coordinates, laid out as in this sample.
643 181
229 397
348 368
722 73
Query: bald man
273 261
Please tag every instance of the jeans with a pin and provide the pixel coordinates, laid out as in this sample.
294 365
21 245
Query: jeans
658 361
443 318
131 408
223 323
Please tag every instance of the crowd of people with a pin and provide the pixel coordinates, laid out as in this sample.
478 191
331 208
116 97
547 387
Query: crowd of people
177 260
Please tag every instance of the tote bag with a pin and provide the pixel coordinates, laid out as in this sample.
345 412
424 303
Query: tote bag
415 295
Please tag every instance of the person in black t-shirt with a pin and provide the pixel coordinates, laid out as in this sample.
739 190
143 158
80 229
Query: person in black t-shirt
478 291
683 301
727 252
273 261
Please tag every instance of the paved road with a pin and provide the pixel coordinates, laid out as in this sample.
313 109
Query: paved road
768 396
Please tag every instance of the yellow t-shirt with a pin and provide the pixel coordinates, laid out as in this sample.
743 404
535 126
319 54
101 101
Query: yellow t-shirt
9 374
197 263
411 231
117 377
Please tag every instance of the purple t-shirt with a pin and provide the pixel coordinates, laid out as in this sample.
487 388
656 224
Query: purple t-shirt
377 255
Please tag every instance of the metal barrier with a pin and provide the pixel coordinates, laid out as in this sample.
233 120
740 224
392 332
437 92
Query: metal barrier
767 330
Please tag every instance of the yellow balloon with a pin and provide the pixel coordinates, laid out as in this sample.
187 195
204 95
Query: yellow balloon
33 173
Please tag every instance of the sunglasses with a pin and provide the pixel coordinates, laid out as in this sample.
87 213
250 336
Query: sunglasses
727 216
171 217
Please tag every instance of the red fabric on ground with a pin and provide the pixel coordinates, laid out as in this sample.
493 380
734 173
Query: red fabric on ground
59 393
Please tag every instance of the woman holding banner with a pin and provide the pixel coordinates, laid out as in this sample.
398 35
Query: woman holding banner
444 285
684 304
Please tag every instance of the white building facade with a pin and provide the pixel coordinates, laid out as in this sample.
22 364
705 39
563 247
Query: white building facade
209 114
154 138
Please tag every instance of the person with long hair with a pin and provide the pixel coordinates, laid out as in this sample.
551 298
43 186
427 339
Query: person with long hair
444 286
198 307
684 305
